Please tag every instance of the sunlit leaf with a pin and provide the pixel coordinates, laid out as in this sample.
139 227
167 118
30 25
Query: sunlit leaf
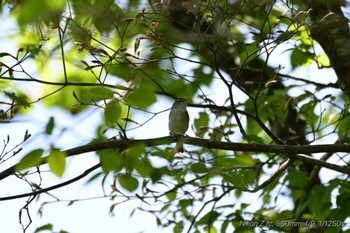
323 60
57 161
142 97
304 36
32 159
35 10
110 160
100 93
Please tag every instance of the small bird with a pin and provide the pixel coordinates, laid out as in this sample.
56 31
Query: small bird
178 120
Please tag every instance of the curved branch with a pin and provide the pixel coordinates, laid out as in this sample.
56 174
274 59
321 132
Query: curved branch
44 190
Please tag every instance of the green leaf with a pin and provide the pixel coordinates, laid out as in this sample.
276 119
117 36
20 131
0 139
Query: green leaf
344 126
184 204
181 89
171 196
179 226
212 229
124 71
244 160
33 10
284 36
256 139
205 73
128 182
296 179
110 160
208 218
224 226
50 125
308 110
241 160
167 154
304 36
32 159
241 178
100 93
319 201
45 227
141 97
323 60
132 156
249 53
63 231
201 124
158 173
202 120
136 151
301 58
343 200
253 128
64 101
199 168
144 167
19 99
57 161
112 112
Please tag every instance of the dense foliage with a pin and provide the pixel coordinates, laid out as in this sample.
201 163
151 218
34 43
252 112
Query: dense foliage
267 84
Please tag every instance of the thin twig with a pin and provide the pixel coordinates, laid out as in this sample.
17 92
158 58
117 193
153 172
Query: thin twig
44 190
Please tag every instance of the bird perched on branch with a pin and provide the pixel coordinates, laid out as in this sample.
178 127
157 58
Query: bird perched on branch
178 121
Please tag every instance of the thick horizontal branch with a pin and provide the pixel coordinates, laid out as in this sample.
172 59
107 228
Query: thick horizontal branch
261 148
61 84
296 152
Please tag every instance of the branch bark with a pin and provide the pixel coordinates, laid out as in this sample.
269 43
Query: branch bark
295 152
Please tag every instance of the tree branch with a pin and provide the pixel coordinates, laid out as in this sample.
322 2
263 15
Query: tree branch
295 152
44 190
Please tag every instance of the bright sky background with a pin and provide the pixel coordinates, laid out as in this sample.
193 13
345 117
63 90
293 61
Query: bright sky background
84 216
91 215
